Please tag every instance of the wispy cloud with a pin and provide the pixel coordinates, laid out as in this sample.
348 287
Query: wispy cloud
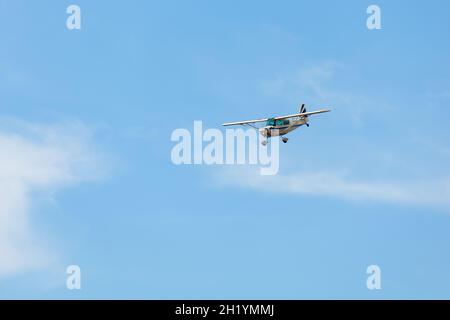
337 185
42 158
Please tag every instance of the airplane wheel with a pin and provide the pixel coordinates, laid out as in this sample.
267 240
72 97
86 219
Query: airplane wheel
264 143
285 140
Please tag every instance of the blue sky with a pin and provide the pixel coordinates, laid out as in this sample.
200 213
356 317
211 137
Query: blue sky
87 179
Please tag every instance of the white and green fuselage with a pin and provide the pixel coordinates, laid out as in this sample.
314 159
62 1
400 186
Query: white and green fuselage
274 128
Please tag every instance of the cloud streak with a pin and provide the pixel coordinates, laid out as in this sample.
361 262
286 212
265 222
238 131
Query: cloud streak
43 158
336 185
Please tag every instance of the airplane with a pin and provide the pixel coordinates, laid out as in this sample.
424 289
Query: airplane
279 126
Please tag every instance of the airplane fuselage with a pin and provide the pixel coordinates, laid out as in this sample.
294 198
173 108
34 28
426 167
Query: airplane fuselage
280 130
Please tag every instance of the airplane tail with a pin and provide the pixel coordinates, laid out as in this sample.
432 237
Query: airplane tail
302 109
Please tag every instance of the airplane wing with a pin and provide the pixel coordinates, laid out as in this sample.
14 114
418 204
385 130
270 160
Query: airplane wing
304 114
244 122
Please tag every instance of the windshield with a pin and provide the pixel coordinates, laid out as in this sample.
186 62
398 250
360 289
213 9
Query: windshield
273 122
282 122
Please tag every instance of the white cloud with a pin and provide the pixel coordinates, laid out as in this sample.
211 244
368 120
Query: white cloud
341 186
34 158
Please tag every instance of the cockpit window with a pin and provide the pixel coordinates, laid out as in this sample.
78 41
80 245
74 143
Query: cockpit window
282 122
273 122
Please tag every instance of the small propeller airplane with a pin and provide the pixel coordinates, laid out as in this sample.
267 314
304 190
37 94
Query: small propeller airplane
279 126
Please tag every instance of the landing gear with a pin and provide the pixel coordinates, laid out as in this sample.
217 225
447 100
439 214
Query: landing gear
285 140
264 143
307 125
